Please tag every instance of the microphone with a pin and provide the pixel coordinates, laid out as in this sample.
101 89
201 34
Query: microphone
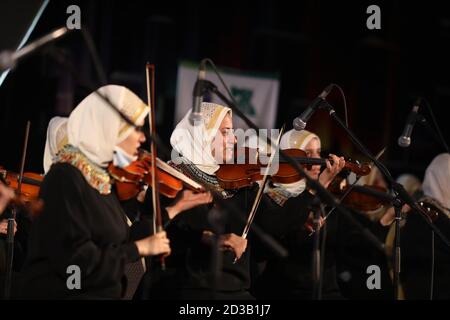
299 123
9 59
195 117
405 139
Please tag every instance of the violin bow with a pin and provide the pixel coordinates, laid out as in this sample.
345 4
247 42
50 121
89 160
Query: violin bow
260 192
24 155
157 218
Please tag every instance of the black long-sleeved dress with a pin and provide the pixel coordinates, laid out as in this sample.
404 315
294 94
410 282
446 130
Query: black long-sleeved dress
190 273
81 227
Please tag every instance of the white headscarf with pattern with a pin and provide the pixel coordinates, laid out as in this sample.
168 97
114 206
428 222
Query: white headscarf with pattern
195 142
95 128
294 139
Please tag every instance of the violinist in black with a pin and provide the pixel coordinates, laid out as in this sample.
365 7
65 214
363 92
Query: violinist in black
195 269
287 217
79 244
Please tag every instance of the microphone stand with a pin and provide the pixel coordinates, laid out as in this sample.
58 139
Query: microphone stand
421 119
317 261
437 133
9 59
401 197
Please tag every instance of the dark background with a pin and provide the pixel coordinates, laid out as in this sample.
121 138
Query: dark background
308 43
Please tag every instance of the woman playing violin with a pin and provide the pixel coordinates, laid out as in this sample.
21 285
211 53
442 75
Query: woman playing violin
137 216
198 151
290 277
82 225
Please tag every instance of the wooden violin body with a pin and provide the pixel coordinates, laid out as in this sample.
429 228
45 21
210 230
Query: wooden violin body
362 202
131 180
31 183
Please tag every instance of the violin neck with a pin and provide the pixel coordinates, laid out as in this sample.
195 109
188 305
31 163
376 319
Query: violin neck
179 175
308 161
354 167
315 161
15 176
31 181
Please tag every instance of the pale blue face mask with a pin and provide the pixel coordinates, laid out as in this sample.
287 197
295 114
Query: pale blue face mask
122 159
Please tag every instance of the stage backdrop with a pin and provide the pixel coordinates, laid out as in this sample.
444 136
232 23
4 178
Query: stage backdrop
256 93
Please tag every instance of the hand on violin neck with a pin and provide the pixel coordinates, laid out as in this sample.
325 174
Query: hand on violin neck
188 199
327 176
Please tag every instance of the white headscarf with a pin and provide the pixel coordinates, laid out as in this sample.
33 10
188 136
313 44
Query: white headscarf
56 139
95 128
436 183
195 142
294 139
410 182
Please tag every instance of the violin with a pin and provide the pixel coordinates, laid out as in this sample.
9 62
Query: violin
31 183
353 198
432 209
133 178
28 198
362 202
242 174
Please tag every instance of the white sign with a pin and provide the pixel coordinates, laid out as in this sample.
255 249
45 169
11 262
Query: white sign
255 93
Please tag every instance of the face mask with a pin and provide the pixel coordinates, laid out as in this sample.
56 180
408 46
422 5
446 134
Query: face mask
122 159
